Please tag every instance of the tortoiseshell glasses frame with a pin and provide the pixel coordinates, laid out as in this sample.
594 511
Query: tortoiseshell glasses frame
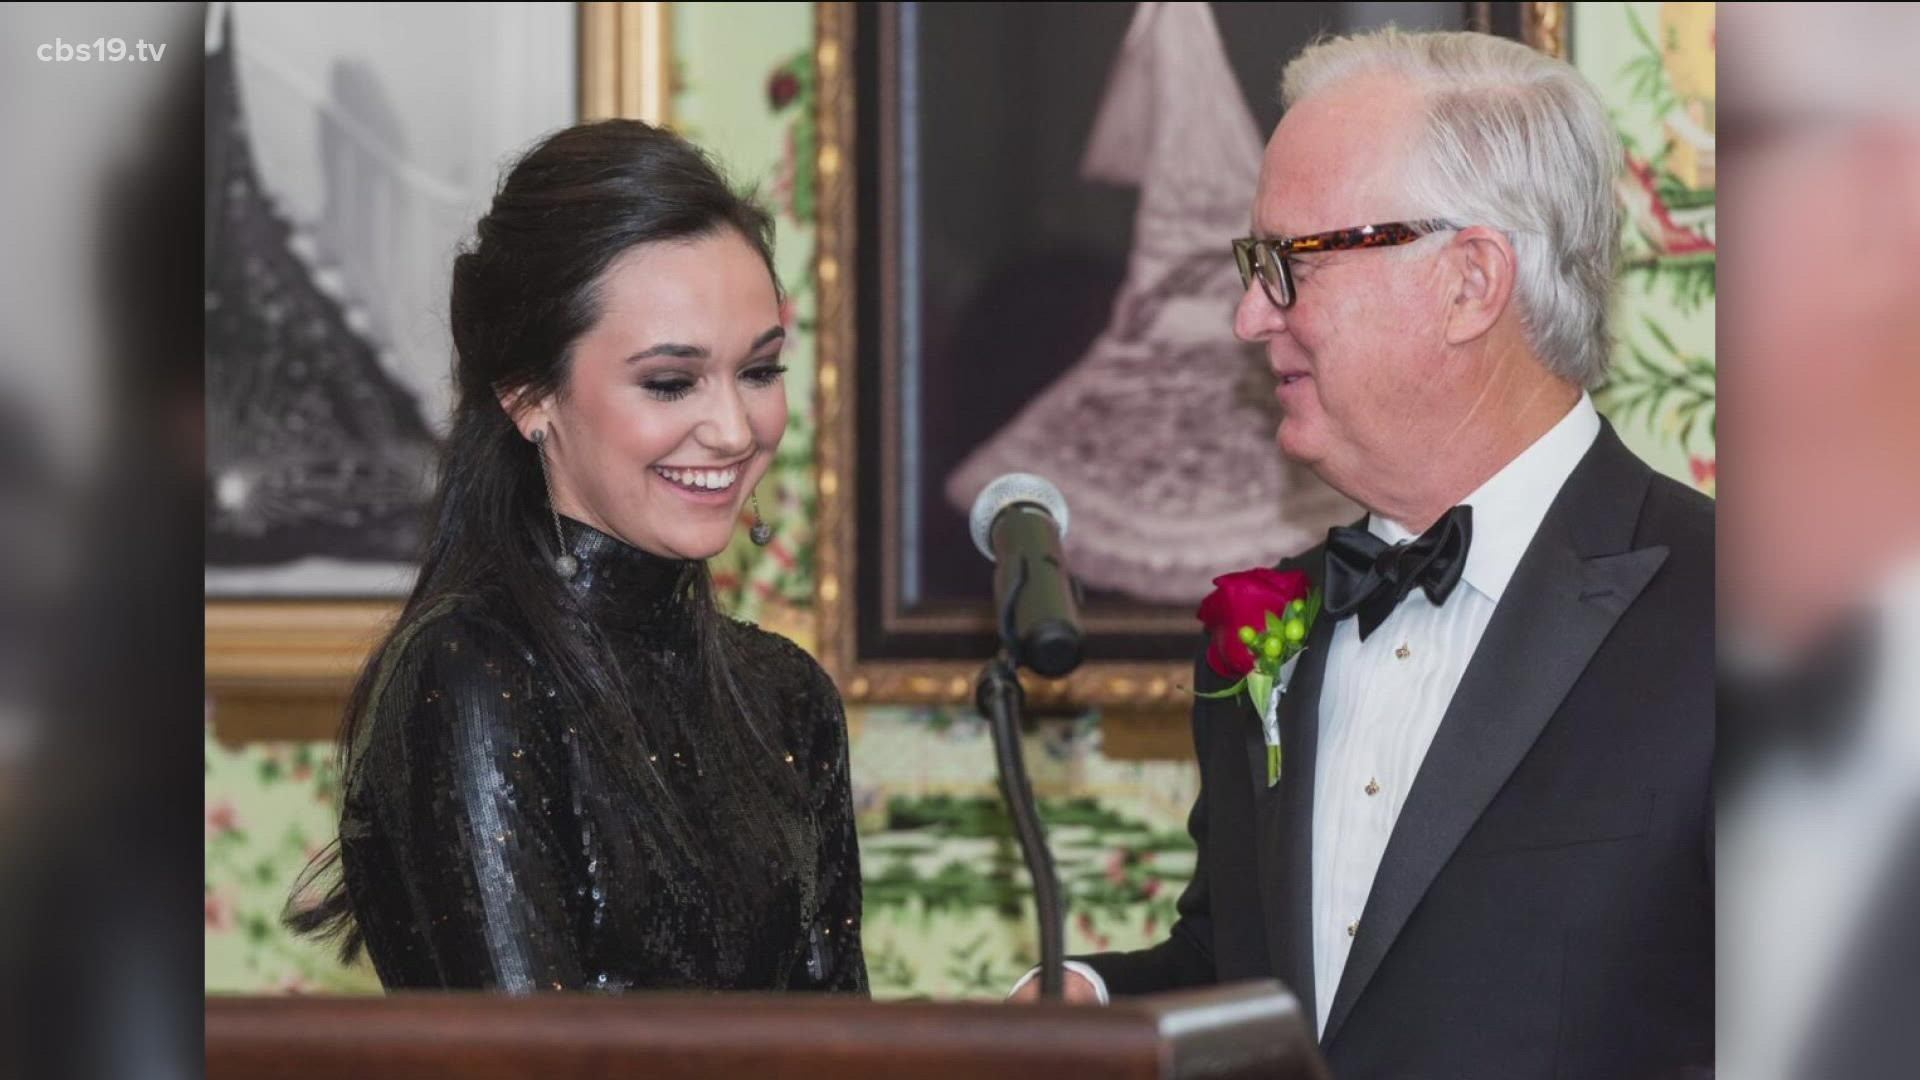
1268 259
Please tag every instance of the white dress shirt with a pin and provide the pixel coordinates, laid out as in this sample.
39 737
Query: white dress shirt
1382 699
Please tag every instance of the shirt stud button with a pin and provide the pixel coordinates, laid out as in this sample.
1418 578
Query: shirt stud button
1402 652
1373 787
1353 928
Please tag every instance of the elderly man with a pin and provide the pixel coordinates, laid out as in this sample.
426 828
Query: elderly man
1489 849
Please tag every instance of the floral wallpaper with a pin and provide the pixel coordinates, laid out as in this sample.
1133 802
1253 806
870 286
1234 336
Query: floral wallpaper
948 906
270 807
1654 65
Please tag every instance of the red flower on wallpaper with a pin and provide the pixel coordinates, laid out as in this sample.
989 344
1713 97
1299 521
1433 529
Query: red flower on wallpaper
782 89
1705 470
221 819
219 913
1100 941
1640 190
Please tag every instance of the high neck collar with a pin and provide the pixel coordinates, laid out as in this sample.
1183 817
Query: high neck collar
618 581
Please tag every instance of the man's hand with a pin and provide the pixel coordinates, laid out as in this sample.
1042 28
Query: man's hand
1076 990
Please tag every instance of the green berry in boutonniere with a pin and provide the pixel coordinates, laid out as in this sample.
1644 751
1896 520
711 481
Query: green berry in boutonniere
1257 623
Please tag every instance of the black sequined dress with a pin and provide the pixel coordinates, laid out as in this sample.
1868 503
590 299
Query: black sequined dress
494 837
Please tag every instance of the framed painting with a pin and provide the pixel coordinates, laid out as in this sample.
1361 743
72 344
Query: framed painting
1024 267
350 148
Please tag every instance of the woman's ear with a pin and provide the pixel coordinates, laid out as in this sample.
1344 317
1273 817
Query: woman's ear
527 413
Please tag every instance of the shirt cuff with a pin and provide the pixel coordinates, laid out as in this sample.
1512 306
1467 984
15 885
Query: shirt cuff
1093 977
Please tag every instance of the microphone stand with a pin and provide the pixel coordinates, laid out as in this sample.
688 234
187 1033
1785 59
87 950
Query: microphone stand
1000 699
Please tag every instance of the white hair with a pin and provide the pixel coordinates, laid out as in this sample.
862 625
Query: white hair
1516 141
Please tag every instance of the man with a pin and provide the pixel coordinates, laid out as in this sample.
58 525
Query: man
1489 851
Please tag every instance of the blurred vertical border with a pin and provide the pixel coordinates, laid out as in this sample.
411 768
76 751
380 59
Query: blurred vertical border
100 428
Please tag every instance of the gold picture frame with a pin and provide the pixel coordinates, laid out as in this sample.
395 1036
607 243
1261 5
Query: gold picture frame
280 669
626 62
1136 688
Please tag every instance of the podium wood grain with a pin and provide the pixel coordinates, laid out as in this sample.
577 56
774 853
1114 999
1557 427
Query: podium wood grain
1254 1029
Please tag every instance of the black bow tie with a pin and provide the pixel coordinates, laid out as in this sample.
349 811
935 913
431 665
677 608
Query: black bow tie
1369 577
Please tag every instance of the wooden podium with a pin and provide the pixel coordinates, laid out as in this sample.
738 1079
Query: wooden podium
1252 1029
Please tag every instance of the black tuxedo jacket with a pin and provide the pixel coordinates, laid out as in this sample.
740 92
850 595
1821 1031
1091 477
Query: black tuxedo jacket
1544 907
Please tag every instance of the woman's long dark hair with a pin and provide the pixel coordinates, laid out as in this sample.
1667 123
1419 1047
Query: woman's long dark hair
524 291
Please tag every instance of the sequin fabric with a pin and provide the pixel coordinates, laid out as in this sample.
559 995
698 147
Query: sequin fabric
493 837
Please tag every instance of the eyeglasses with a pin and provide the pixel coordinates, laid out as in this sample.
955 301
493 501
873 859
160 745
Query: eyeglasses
1268 259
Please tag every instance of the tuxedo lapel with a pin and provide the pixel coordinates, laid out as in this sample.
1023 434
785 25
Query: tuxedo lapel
1574 582
1287 825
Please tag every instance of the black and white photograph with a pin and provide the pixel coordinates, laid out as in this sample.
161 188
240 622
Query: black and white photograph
347 152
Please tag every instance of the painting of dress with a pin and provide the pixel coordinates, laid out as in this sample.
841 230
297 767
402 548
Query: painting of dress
1161 436
1043 202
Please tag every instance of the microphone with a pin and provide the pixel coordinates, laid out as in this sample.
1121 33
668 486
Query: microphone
1018 522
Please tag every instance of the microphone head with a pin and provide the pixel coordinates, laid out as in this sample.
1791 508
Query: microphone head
1010 490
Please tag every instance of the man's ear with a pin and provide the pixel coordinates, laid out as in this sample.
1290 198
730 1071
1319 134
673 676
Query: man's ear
1485 266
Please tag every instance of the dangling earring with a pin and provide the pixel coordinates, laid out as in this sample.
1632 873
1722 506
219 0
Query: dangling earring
760 533
566 565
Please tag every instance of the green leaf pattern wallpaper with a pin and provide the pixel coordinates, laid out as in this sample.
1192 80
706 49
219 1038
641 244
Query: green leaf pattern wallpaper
1654 65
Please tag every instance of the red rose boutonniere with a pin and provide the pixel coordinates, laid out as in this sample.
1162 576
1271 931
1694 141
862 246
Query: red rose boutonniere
1258 621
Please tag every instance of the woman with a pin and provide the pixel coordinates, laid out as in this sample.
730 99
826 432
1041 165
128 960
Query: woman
564 768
